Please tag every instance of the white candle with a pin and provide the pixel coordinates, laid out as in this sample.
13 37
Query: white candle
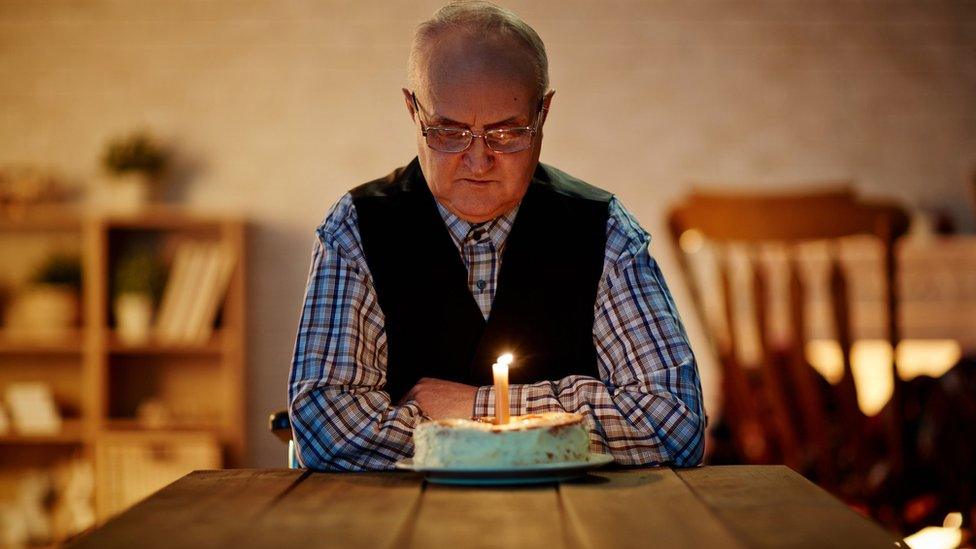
500 371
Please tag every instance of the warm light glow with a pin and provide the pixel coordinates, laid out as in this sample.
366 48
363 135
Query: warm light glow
691 241
953 520
825 357
926 357
871 361
933 537
871 364
505 359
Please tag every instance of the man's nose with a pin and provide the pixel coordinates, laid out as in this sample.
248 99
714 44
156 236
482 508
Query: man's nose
478 158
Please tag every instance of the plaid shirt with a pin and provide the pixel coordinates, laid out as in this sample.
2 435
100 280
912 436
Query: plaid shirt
646 408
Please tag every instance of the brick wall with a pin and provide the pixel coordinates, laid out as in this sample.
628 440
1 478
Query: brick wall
279 107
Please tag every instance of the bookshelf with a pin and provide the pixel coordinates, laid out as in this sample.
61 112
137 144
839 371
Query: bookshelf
98 380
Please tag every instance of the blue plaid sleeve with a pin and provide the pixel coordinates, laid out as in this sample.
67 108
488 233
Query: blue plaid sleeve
341 417
647 406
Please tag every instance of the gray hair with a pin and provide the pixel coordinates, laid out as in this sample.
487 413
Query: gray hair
482 19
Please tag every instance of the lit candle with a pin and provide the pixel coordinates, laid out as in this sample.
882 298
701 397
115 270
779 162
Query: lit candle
500 371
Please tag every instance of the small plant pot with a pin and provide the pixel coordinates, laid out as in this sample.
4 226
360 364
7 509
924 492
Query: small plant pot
126 193
44 311
133 318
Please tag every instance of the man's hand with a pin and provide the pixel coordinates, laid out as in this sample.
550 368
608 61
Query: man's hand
442 399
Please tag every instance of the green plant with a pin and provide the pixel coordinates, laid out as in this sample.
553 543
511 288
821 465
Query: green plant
139 272
61 269
136 152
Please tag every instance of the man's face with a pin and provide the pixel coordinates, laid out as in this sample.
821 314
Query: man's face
477 184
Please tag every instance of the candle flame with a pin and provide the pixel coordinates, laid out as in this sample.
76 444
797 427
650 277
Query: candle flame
506 359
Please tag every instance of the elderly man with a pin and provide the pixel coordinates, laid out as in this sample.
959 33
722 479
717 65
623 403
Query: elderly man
420 279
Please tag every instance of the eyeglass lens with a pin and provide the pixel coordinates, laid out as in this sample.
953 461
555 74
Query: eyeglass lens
457 140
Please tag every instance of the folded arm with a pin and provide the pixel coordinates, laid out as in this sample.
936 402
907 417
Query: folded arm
341 417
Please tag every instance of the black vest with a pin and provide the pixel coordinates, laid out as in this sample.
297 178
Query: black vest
543 307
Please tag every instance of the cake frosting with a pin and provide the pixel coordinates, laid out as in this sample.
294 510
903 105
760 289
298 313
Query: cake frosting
533 439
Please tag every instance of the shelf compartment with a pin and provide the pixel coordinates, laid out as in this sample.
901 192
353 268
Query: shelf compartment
190 388
63 374
169 219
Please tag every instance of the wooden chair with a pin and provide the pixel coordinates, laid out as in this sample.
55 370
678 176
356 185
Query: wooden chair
280 426
781 410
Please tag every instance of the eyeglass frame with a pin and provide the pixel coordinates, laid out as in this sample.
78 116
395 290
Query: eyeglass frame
533 129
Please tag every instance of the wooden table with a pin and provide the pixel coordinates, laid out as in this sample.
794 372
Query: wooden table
720 506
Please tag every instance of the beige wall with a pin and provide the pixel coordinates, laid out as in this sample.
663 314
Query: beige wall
280 107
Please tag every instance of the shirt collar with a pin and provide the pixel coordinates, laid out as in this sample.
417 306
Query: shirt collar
461 231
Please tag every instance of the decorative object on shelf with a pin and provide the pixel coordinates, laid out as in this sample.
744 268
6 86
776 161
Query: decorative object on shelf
133 317
136 162
24 187
23 518
48 308
153 414
137 285
195 288
35 488
13 531
74 486
32 408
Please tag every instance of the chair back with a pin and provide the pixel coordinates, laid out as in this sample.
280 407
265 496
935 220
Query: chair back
775 403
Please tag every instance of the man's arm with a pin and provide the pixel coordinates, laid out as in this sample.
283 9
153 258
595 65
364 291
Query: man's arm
647 406
341 417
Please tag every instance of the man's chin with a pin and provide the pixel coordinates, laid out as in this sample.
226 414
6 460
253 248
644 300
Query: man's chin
476 213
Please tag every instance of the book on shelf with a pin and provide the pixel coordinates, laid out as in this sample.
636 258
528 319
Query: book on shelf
216 280
193 294
186 293
166 315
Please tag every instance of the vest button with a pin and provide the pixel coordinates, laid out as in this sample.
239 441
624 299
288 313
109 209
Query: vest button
482 284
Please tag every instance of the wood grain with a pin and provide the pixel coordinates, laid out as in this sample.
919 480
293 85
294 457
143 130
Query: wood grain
733 506
349 510
640 508
772 506
489 517
202 509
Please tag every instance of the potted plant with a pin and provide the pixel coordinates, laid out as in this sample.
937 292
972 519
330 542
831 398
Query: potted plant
137 286
49 306
135 162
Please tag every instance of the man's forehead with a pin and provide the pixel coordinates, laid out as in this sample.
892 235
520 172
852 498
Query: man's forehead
461 57
490 101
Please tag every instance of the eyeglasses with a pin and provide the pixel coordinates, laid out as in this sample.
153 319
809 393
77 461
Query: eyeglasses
500 140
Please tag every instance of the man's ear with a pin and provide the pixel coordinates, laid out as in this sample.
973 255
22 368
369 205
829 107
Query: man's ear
546 102
408 99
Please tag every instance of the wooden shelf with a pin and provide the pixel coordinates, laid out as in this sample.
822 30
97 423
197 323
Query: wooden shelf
42 218
166 218
212 347
70 344
102 381
72 432
134 425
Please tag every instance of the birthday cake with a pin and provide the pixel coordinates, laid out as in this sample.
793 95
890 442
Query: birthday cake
555 437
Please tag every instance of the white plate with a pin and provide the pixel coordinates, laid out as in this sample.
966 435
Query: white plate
528 474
